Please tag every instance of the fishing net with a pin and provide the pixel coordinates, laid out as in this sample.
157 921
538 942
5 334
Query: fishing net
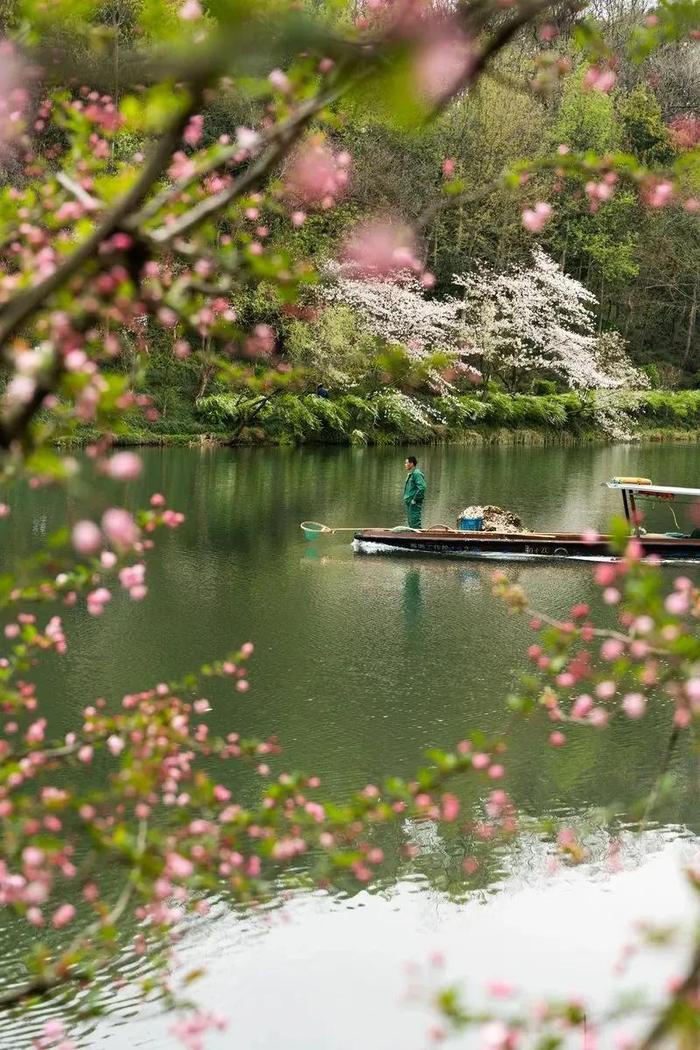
312 529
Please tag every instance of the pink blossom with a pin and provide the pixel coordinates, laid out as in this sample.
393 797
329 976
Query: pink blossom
497 1036
157 500
444 61
480 760
177 866
315 175
53 1029
194 130
380 248
557 739
298 218
634 704
280 81
643 625
261 341
247 139
501 989
62 916
124 466
35 916
599 78
97 599
597 192
450 808
119 527
692 689
605 574
677 603
612 649
581 706
535 219
115 744
132 575
33 857
247 649
190 11
20 390
657 193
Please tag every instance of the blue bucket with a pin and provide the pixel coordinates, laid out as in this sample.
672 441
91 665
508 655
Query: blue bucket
470 524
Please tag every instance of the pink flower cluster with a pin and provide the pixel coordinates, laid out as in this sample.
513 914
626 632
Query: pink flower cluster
600 78
316 176
132 579
382 248
535 219
191 1030
598 191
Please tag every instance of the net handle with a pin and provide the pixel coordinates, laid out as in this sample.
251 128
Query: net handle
317 528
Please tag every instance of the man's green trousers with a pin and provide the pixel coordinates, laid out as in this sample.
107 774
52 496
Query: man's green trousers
414 512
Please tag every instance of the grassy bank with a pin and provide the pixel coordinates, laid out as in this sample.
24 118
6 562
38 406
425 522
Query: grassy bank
390 418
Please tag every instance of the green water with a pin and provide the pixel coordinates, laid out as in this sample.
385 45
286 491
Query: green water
361 663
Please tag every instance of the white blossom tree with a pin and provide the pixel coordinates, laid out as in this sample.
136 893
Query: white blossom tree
397 310
537 320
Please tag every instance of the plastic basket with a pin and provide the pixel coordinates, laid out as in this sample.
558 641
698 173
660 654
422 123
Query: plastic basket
470 524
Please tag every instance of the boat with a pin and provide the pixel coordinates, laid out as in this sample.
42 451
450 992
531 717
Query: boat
677 545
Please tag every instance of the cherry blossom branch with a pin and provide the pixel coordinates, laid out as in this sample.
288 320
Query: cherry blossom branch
62 973
227 153
284 138
527 13
18 310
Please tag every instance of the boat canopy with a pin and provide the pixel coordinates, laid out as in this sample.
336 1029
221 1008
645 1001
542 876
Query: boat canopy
644 489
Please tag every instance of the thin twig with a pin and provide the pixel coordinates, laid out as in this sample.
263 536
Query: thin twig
89 202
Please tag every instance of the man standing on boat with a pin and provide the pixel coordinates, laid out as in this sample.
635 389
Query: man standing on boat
414 493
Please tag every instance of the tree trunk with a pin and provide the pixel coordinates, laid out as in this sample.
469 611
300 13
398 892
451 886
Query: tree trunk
692 318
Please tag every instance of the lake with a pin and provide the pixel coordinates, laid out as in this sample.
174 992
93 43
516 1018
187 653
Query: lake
362 663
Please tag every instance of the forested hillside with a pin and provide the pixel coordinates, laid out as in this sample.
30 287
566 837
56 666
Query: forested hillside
635 249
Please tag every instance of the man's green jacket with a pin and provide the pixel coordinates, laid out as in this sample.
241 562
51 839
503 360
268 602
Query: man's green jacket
414 488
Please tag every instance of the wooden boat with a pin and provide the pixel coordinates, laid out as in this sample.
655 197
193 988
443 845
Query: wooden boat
443 540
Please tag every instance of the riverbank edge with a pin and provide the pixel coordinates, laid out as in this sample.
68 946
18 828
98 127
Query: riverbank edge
474 436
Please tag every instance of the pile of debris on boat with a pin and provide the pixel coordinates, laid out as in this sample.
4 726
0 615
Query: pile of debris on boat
495 519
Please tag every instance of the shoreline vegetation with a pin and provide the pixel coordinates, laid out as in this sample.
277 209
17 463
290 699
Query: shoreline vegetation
390 418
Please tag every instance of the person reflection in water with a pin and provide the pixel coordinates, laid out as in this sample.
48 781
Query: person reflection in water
414 493
412 597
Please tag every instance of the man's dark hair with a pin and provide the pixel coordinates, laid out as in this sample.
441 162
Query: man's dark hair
413 460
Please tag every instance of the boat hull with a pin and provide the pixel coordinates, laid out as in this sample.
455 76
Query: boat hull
520 546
